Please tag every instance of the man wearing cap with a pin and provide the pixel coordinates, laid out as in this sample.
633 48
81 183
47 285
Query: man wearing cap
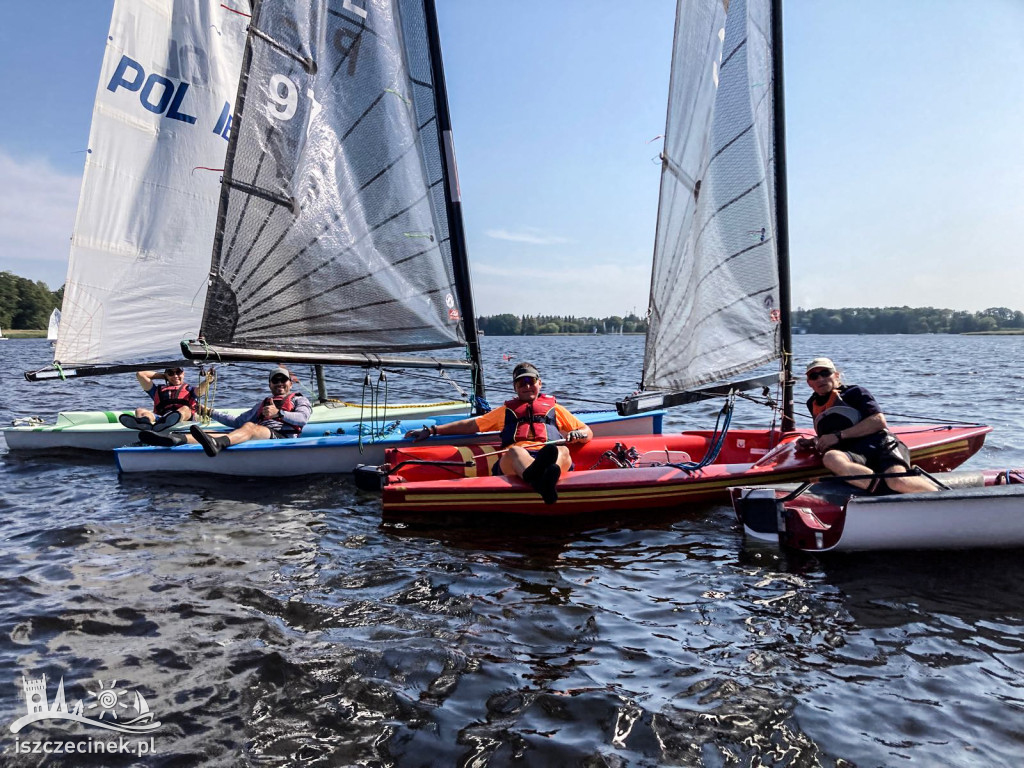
173 401
281 415
529 424
853 436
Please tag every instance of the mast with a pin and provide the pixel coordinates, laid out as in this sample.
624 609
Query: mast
453 199
782 217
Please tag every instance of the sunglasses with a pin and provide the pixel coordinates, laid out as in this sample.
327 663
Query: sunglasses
528 381
819 374
174 373
279 380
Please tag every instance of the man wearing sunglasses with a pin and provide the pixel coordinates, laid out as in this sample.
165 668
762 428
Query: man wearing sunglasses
173 400
282 415
853 436
529 424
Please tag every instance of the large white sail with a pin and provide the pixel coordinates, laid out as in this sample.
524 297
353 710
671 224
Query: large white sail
715 306
335 237
140 252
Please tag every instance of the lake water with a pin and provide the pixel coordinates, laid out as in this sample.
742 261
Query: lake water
279 623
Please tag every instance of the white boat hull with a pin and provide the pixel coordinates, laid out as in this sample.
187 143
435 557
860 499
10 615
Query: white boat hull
956 519
981 509
100 430
332 454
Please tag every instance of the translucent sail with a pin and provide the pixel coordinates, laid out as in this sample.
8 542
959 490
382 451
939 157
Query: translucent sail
714 307
140 251
333 235
53 326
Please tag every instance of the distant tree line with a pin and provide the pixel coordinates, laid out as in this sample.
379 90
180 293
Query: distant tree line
906 320
858 320
24 305
537 325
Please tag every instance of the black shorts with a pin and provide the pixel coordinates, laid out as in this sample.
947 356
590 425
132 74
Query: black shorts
496 469
879 452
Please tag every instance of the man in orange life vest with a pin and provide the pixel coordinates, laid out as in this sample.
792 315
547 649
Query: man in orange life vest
281 415
172 402
853 436
528 425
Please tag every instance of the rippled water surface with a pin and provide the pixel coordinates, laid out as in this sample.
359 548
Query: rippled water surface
280 623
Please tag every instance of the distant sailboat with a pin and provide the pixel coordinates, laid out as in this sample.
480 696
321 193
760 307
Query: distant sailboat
54 326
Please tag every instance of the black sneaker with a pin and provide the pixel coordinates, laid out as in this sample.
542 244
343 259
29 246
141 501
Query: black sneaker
133 422
211 444
162 441
546 485
166 421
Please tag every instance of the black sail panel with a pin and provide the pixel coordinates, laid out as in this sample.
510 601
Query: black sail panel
333 234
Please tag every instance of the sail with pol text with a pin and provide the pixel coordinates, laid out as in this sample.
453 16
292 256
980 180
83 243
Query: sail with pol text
718 306
140 250
339 235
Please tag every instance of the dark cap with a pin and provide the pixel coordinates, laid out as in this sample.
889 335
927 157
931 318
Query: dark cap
281 372
525 369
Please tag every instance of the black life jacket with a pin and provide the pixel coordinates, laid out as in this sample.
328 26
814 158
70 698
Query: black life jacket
834 414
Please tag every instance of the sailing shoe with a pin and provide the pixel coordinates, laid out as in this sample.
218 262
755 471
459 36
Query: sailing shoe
162 441
132 422
211 444
546 485
166 421
545 457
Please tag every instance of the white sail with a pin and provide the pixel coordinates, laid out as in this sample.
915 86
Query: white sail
714 307
140 251
54 325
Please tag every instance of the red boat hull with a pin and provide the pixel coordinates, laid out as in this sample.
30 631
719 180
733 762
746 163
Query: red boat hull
598 485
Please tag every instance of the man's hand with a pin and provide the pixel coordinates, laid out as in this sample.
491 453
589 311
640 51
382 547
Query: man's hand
417 434
577 436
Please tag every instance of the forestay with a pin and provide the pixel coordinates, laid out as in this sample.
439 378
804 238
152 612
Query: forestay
333 236
715 305
140 251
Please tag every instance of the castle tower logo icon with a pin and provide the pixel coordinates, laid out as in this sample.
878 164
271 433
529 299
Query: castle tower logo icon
106 706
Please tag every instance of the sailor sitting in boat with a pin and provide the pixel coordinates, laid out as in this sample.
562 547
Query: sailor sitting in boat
283 414
853 435
173 401
529 425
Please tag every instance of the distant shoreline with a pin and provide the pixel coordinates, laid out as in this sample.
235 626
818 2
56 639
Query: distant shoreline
34 334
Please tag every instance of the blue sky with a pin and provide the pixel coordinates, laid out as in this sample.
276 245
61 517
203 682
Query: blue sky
904 122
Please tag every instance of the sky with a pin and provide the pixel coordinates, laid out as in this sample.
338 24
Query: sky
904 121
